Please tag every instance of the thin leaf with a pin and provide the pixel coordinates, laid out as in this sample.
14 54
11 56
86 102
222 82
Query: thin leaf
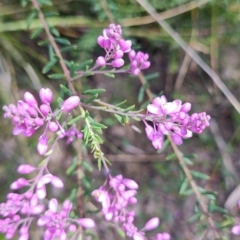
49 65
120 119
36 33
65 90
74 120
31 16
94 91
111 75
63 41
56 76
200 175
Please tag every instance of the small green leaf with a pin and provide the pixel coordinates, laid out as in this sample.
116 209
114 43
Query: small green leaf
83 65
141 94
120 119
59 115
54 31
129 108
24 3
96 124
214 208
111 75
45 2
36 33
194 218
91 99
50 52
56 76
63 41
72 167
171 156
43 42
59 101
49 65
121 103
151 76
73 195
183 187
51 14
199 175
65 90
74 120
94 91
188 161
87 166
31 17
68 48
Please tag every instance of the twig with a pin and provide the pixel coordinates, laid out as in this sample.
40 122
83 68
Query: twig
55 46
191 53
188 174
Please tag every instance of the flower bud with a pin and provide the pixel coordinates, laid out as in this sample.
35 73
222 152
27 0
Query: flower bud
101 61
130 183
57 182
25 169
70 103
45 109
117 63
42 146
30 99
86 222
151 224
45 95
53 127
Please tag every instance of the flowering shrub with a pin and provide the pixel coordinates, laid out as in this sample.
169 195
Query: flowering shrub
27 202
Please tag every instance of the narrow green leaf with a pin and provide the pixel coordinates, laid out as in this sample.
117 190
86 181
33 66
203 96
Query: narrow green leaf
68 48
56 76
65 90
73 195
74 120
91 99
200 175
111 75
31 16
43 42
72 167
59 101
45 2
50 52
87 166
59 115
72 69
183 187
36 33
63 41
188 161
120 119
49 66
141 94
51 14
151 76
96 124
194 218
54 31
171 156
214 208
188 192
121 103
129 108
83 65
94 91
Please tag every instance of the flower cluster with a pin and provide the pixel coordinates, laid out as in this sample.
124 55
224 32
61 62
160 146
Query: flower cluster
172 118
28 116
20 210
58 223
115 195
115 47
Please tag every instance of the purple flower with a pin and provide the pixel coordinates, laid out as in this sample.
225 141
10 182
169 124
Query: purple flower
58 223
70 103
172 118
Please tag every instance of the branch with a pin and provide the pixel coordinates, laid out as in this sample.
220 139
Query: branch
55 46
